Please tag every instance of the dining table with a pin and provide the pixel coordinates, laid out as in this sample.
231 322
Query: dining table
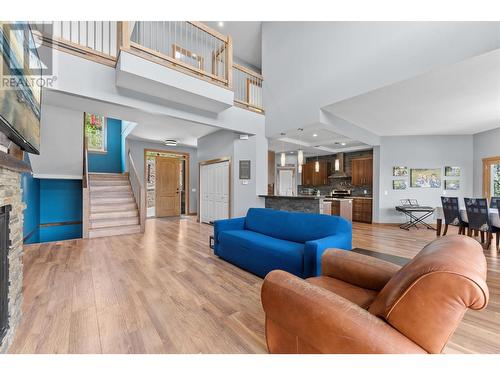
439 216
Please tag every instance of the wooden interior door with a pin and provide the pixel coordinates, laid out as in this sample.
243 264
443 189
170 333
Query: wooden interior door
168 198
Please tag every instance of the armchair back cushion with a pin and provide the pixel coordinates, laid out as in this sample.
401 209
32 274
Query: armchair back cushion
426 299
294 226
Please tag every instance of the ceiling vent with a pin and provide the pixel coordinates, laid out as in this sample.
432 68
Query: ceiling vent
170 142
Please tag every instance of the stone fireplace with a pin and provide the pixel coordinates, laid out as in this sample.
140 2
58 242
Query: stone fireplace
11 249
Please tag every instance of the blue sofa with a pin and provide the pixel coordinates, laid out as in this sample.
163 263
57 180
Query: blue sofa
267 240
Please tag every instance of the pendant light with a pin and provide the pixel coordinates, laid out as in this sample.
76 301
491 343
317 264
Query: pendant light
300 168
283 155
337 165
300 153
316 164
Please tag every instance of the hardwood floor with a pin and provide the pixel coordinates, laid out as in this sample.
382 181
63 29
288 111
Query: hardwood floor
165 292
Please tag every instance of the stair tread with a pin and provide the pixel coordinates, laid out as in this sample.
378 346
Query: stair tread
114 231
113 222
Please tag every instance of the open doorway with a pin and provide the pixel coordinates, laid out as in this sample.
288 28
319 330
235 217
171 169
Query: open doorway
166 176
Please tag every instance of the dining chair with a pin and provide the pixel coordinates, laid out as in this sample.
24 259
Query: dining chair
495 202
479 220
451 211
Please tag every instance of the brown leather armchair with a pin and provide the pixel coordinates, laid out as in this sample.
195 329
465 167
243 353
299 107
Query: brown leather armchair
361 304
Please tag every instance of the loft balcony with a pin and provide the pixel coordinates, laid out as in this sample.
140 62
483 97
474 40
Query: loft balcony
180 62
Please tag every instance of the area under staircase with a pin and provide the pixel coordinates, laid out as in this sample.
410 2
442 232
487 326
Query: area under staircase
113 209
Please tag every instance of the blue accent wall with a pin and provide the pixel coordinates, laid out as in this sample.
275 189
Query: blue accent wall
31 197
111 161
60 201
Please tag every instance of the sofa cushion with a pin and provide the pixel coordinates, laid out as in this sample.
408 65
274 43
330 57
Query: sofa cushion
360 296
293 226
259 253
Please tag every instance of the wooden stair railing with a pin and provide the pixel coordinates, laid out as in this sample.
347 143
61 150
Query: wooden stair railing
139 191
86 191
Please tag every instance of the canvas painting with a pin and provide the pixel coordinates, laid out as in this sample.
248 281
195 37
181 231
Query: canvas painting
452 184
452 171
400 171
398 184
425 178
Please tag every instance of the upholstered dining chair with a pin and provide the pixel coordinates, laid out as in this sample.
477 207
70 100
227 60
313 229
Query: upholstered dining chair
361 304
495 202
451 211
479 220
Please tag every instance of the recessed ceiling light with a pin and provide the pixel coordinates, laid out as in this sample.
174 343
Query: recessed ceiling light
221 24
343 143
315 135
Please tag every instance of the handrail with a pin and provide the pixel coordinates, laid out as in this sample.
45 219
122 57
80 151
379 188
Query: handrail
248 88
93 40
140 195
85 191
187 46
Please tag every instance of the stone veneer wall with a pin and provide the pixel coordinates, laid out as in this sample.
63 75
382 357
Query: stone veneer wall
310 205
10 193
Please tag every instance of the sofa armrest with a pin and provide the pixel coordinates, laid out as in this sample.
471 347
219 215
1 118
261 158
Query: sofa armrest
227 224
357 269
304 318
313 251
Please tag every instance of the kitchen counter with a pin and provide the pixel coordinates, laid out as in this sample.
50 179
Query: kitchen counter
361 197
292 196
298 203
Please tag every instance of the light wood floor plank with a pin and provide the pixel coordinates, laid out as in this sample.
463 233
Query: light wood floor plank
165 292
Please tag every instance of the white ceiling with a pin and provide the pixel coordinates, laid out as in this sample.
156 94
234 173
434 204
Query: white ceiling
463 98
315 140
247 37
151 127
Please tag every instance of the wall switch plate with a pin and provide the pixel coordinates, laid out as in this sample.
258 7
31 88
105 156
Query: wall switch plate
386 192
245 182
193 190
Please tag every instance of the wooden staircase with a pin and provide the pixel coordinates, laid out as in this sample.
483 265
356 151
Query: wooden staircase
113 209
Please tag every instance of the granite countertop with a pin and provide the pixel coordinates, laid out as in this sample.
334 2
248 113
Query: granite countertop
362 197
292 196
339 199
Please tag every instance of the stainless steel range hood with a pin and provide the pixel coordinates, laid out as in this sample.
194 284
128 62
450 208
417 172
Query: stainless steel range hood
338 167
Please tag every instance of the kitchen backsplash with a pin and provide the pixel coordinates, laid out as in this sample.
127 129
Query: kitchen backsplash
340 184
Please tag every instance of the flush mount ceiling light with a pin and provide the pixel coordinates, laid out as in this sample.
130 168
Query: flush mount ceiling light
221 24
170 142
315 135
343 144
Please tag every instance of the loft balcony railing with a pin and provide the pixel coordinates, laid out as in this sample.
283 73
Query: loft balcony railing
190 47
247 88
94 40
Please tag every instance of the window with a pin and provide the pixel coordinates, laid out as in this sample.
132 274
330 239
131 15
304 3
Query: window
95 132
495 180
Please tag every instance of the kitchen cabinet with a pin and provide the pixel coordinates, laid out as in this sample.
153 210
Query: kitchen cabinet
362 171
312 178
362 210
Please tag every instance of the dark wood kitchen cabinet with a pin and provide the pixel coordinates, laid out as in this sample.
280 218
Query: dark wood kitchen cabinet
312 178
362 210
362 171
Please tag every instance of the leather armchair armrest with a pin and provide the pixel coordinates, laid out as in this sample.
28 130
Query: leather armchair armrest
304 318
357 269
313 251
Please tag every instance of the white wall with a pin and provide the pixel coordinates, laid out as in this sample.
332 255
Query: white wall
486 144
225 143
422 152
307 65
61 144
137 151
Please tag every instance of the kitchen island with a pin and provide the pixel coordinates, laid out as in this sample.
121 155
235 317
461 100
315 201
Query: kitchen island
298 203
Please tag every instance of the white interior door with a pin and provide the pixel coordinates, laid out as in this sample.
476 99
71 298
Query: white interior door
285 182
214 192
